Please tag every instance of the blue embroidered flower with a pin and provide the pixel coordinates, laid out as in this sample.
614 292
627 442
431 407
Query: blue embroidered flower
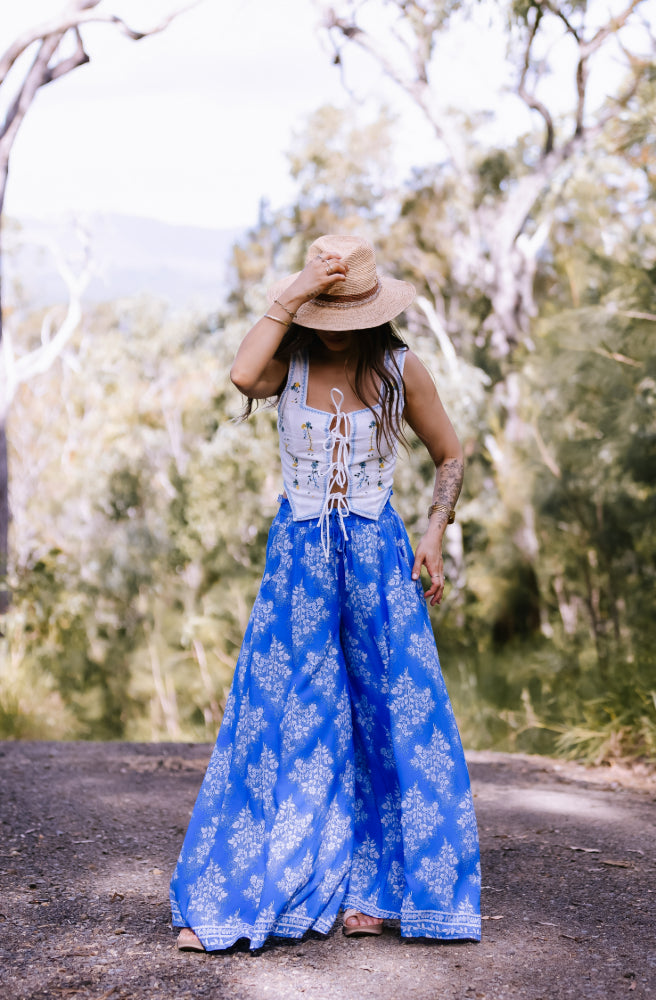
313 475
307 427
361 476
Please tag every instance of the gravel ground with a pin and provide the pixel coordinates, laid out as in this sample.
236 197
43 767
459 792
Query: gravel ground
91 831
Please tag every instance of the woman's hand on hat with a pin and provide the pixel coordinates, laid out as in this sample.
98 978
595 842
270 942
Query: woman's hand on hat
318 275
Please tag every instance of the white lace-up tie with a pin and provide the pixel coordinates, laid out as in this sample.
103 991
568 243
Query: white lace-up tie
337 443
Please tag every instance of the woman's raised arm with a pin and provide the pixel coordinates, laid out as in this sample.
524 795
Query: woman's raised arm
255 371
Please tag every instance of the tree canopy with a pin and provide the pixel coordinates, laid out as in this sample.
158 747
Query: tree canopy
144 505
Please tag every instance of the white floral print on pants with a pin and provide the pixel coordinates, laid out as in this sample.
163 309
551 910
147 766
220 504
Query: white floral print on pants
338 777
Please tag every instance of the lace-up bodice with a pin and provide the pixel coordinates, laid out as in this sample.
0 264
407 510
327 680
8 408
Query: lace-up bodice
330 459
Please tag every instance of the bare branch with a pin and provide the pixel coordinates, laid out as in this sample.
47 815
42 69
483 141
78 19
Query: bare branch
416 88
414 55
530 99
50 35
59 27
581 84
557 11
39 360
615 355
585 48
339 62
548 460
610 28
634 314
439 330
74 16
35 78
79 58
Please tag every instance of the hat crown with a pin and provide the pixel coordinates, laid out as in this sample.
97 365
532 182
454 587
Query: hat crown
363 299
360 258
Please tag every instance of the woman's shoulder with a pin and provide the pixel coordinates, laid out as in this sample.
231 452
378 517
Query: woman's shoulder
413 361
415 372
403 358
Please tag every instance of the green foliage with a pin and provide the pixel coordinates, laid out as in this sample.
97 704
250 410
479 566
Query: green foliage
143 542
429 18
521 9
494 169
342 164
141 506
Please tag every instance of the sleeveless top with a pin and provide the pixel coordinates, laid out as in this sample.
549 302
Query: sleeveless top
321 448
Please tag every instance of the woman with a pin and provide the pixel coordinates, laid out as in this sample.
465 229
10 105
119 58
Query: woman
338 778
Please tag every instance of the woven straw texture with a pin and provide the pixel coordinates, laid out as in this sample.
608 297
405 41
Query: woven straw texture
364 300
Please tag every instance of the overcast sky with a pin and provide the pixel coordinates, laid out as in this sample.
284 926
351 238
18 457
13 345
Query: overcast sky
192 126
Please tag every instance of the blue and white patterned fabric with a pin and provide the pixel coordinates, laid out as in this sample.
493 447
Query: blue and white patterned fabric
338 777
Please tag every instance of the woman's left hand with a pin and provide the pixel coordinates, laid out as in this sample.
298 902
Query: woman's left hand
429 554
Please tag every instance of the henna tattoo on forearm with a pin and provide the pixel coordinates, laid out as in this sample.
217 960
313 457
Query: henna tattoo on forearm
448 482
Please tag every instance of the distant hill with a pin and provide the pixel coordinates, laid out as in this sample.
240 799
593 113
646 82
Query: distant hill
185 265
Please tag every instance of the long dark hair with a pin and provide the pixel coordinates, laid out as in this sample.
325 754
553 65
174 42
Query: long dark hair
375 359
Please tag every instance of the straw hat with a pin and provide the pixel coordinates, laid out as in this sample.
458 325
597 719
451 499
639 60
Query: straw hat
364 300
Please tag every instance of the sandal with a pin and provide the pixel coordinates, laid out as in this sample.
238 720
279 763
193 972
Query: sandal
188 941
359 929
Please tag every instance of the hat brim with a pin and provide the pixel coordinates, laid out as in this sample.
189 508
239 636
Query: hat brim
392 298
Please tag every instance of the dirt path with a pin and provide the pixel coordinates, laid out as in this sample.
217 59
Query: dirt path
90 833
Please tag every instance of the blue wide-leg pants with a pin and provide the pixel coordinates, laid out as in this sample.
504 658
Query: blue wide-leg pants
338 777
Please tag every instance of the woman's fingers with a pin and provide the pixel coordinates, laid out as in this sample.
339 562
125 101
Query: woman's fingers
327 269
328 260
435 591
331 265
430 558
318 275
436 572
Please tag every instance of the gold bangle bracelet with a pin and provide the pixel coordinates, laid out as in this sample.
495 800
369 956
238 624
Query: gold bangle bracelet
275 319
434 507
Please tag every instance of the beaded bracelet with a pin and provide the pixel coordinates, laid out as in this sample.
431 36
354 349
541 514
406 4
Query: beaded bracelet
434 507
290 314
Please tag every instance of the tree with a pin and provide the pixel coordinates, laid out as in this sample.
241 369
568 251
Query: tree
496 206
140 527
48 41
503 230
551 635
